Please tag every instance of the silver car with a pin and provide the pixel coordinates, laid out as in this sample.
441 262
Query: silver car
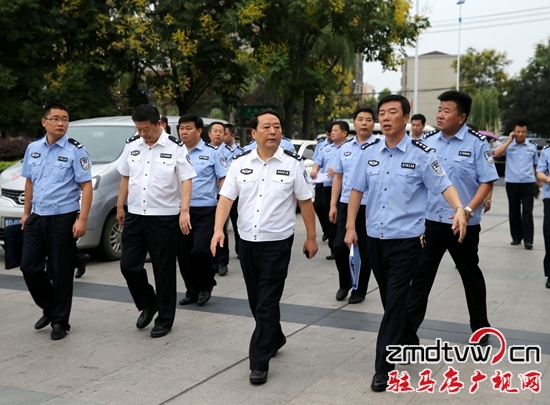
104 138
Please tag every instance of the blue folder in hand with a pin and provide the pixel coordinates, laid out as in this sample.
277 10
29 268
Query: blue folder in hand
354 266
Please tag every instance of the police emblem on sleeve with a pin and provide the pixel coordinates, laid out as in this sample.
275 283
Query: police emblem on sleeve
189 159
488 155
223 162
437 167
305 174
85 163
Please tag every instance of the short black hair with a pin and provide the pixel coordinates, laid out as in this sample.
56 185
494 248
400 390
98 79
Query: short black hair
521 123
55 105
344 126
146 112
254 119
419 117
405 105
363 109
215 123
230 127
463 100
164 120
194 118
328 126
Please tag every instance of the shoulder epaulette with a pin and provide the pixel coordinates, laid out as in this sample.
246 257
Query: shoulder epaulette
477 134
348 140
547 146
242 154
75 143
421 145
240 148
177 141
212 146
230 148
132 139
365 146
288 139
293 154
435 131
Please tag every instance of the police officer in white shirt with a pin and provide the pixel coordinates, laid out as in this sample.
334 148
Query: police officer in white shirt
268 182
156 181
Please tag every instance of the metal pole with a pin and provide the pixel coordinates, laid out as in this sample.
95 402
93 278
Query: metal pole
460 2
415 97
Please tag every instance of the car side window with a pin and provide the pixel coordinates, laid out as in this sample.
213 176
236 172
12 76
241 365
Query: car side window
308 152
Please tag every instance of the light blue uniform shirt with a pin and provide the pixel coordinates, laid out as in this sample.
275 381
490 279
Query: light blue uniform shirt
326 158
544 167
56 172
285 144
397 180
229 152
210 166
468 161
319 148
348 156
520 162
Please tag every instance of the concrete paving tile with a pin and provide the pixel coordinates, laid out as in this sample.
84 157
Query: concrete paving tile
11 396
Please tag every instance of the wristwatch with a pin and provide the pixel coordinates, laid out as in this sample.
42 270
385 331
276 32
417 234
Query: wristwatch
470 212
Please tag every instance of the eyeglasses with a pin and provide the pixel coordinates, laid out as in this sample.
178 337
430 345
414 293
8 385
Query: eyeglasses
57 120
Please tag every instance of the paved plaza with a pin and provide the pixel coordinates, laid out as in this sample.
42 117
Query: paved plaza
329 355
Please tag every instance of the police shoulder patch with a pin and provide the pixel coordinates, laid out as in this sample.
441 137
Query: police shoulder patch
293 154
212 146
242 154
421 145
177 141
365 146
75 143
435 131
476 134
545 147
132 139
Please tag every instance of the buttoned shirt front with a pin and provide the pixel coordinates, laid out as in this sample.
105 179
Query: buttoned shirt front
468 161
268 192
520 162
155 174
349 154
397 180
210 166
56 172
544 167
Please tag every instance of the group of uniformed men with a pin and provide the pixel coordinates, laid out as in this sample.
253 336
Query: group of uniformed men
401 201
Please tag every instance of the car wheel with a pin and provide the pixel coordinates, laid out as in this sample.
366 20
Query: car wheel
110 246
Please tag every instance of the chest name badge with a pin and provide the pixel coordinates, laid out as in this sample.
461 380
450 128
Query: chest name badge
437 167
406 165
283 172
347 153
62 159
464 153
166 155
134 152
203 157
374 162
35 155
246 171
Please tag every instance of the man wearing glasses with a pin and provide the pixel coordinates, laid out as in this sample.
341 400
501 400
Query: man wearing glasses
58 172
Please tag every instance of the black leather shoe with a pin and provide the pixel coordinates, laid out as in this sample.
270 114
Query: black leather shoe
330 257
281 344
484 341
204 296
82 268
222 270
356 299
515 242
159 331
42 322
258 377
58 331
528 246
215 268
188 300
548 283
341 294
379 382
146 317
325 237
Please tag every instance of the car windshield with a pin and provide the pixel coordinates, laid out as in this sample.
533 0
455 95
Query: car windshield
104 143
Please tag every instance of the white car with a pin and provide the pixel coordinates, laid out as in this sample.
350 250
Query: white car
305 148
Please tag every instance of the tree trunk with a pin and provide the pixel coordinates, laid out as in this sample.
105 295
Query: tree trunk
307 115
288 127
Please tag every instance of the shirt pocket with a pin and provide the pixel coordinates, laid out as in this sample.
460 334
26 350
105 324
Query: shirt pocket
281 186
245 184
464 165
407 180
61 171
375 180
36 167
134 165
164 168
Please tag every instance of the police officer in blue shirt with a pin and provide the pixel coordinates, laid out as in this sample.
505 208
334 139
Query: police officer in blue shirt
521 183
398 172
194 256
543 175
318 201
58 172
348 156
468 161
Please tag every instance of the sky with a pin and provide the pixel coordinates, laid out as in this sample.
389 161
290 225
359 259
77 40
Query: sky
510 26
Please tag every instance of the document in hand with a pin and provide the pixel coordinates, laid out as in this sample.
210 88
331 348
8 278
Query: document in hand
354 265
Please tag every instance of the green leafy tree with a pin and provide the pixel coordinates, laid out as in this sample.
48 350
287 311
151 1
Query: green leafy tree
385 92
485 113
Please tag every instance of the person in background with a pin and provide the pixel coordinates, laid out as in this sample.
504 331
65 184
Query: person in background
418 122
164 124
318 201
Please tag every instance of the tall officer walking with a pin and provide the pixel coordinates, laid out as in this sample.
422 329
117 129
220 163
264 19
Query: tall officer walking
268 182
58 174
156 182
